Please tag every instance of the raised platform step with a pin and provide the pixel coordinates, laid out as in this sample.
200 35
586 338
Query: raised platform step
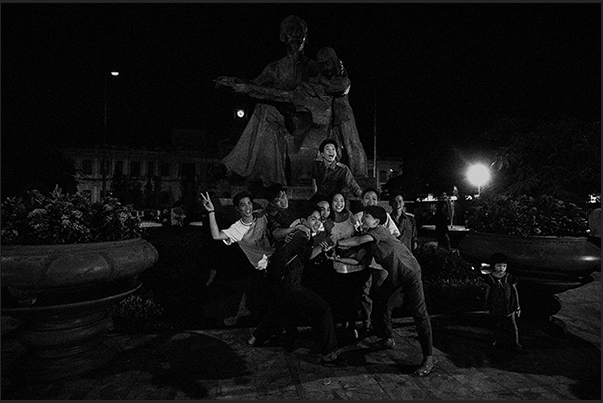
303 192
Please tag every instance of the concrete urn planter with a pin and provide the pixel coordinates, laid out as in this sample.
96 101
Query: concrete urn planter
62 292
545 265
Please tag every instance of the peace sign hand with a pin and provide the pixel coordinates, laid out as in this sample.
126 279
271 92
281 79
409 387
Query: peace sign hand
205 200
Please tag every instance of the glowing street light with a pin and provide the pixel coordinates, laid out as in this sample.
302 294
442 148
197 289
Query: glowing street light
478 175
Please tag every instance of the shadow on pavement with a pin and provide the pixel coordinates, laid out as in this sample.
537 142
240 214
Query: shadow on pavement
173 360
547 350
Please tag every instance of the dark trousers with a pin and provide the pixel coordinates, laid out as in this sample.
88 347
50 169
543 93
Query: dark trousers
386 298
346 296
299 305
506 324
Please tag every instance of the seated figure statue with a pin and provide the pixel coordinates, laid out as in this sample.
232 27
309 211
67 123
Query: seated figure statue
291 117
337 83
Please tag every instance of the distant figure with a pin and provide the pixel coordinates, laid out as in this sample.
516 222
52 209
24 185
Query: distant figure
405 222
177 215
164 216
453 204
502 298
329 176
594 223
335 78
442 220
449 207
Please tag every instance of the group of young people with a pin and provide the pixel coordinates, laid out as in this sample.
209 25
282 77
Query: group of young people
324 266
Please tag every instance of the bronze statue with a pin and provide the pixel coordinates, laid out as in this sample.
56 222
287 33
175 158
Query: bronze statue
293 115
290 119
335 78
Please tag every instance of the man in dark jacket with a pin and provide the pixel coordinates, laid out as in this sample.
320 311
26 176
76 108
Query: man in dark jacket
291 301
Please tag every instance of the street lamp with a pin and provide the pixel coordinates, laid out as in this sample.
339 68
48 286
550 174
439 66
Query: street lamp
104 160
478 175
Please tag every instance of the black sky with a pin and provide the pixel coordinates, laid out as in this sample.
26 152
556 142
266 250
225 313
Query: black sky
437 75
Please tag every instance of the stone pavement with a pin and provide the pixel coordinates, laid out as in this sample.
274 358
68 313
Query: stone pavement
218 365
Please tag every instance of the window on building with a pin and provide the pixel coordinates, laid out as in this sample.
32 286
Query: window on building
135 168
87 193
107 166
188 172
87 167
119 168
150 169
165 197
165 169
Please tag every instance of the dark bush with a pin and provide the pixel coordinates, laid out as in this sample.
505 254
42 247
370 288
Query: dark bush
450 283
174 296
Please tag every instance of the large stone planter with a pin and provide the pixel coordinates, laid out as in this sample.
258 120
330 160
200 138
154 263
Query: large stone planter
62 293
545 266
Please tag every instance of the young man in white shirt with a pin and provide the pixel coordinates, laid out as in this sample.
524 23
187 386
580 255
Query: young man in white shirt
250 232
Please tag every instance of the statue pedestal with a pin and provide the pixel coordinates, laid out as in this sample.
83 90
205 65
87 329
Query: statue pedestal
302 190
297 195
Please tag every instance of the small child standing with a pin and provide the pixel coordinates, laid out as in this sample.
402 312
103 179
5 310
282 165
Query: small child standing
502 298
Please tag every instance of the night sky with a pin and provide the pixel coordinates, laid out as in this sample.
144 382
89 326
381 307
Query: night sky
437 75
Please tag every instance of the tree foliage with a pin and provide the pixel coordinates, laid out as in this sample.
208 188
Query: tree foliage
559 158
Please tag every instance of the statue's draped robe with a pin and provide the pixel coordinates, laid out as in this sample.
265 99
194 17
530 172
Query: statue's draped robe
344 126
290 120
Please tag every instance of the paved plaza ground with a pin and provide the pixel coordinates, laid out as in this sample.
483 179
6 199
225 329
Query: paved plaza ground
216 364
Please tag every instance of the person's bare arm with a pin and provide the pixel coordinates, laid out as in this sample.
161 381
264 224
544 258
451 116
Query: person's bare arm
518 310
355 241
216 233
281 233
358 257
314 186
317 250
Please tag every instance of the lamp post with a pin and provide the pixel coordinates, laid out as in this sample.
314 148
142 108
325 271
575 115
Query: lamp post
478 175
104 159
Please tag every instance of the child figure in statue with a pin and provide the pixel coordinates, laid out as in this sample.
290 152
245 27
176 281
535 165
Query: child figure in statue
337 83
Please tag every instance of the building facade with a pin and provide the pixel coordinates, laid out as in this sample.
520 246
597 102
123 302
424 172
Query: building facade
144 178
